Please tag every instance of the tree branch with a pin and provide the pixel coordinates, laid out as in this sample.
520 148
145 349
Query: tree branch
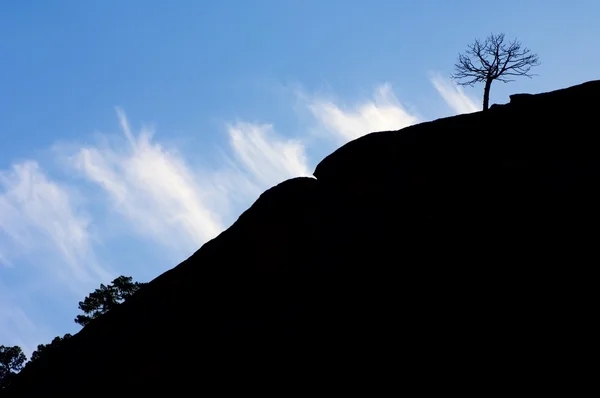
494 59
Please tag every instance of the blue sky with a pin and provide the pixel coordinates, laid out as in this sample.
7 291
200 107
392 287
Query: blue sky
131 132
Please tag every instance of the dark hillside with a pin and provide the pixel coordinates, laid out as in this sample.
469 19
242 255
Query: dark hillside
465 244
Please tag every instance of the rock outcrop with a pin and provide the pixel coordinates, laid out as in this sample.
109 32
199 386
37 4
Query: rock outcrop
452 242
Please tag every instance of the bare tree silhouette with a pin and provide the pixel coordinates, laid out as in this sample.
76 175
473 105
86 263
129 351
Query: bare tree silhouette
494 59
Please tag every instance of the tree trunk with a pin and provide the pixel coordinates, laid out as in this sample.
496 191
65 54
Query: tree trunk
486 94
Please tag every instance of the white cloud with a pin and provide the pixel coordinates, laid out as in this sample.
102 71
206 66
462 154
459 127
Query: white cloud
267 157
36 214
454 95
383 112
153 189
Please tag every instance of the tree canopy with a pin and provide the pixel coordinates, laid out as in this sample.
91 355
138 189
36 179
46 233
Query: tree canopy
100 301
43 349
12 360
106 298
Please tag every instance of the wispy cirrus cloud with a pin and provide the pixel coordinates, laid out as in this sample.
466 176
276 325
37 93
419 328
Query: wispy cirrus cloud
345 123
151 187
269 158
37 217
454 95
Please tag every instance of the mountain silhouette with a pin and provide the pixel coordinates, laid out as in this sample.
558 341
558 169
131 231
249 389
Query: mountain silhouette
460 245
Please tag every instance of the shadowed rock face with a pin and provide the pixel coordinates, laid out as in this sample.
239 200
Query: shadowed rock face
453 241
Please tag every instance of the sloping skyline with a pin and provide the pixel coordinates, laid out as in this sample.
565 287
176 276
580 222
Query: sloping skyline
132 133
